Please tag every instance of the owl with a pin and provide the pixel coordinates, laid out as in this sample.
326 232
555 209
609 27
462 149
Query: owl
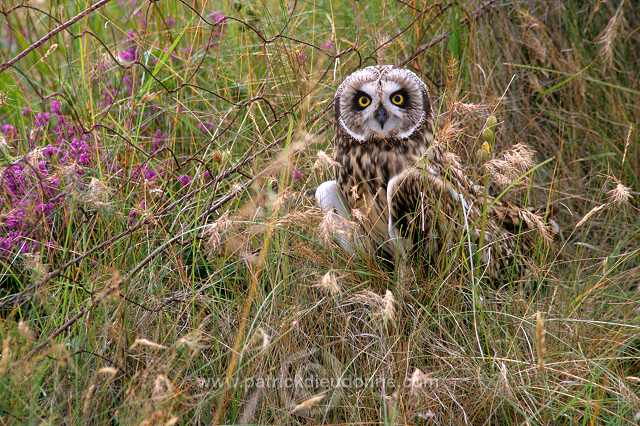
403 190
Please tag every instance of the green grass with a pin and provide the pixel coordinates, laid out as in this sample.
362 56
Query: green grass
244 300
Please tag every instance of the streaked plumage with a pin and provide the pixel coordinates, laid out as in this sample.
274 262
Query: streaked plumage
405 188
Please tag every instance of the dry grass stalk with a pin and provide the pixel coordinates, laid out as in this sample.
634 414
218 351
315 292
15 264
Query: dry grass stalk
448 132
86 404
25 331
540 340
607 37
469 108
419 380
191 341
173 420
250 407
535 221
382 306
98 194
162 388
511 165
504 380
308 404
389 309
329 282
627 142
6 353
590 214
214 232
324 161
333 225
147 343
109 371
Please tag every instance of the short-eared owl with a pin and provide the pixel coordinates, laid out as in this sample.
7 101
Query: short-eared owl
401 184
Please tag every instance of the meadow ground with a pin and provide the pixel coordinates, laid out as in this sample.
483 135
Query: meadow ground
162 261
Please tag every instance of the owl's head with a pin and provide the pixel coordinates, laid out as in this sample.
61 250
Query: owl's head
382 102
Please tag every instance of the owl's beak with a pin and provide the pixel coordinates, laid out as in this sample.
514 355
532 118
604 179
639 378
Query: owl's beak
381 116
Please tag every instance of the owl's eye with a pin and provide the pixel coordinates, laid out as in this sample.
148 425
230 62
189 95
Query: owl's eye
398 99
364 101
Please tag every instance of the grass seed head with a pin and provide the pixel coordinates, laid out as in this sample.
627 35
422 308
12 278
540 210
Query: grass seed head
324 161
306 405
329 282
607 38
146 343
25 331
419 380
162 388
333 224
510 165
620 194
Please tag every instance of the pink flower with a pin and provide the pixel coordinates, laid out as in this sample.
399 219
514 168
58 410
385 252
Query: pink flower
217 17
128 55
56 107
301 57
297 174
42 119
184 180
327 45
8 130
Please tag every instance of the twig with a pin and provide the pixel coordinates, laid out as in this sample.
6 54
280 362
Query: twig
53 32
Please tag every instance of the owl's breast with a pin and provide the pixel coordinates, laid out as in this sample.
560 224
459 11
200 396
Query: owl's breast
364 172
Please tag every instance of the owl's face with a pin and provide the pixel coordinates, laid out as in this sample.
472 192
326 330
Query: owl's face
382 102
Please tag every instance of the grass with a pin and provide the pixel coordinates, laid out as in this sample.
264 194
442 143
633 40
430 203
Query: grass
180 276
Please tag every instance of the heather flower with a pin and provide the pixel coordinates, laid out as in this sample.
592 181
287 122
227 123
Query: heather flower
50 150
107 97
44 208
157 141
42 167
14 180
301 57
133 215
42 119
327 45
128 83
184 180
26 111
297 174
171 22
15 219
206 127
56 107
145 171
8 131
128 55
217 17
79 151
219 20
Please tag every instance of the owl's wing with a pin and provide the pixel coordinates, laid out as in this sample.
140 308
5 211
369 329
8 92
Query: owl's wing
438 203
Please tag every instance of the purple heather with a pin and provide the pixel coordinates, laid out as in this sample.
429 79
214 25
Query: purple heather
184 180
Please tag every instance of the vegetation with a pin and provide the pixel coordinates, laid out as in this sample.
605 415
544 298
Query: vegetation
162 261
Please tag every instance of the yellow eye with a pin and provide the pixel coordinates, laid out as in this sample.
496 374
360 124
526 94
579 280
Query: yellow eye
397 99
364 101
